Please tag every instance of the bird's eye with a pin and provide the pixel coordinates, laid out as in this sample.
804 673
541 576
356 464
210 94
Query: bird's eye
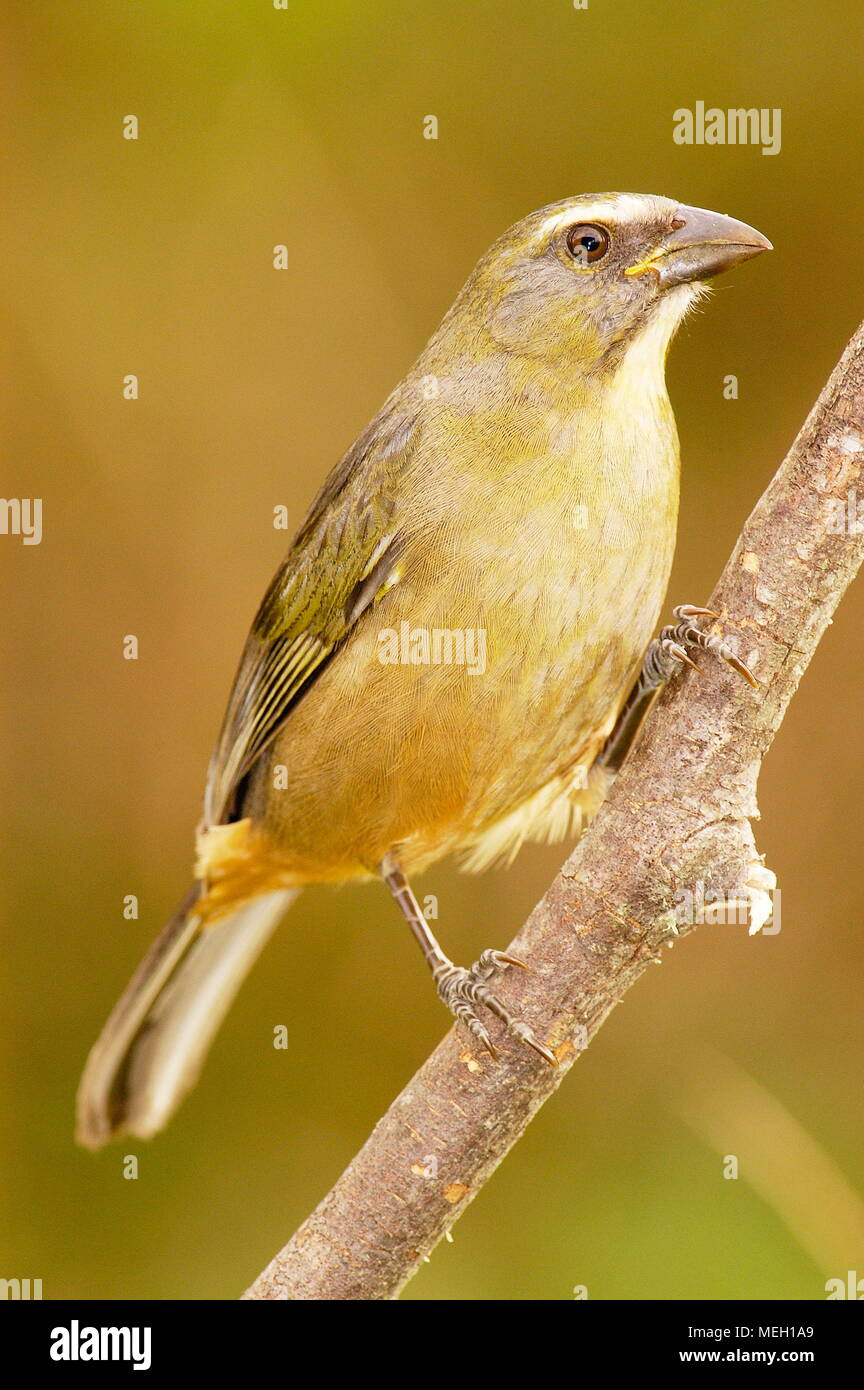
587 243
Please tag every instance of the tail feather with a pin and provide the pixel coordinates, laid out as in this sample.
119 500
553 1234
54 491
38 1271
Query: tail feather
152 1047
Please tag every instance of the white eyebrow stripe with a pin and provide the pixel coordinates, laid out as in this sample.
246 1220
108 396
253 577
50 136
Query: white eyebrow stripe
622 210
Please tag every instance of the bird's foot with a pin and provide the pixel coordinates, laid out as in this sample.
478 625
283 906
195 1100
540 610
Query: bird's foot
676 642
665 655
466 991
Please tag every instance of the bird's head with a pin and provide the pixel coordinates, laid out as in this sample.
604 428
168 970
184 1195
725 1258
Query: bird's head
587 275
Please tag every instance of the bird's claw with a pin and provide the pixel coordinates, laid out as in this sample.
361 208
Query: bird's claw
677 638
689 610
491 961
463 990
677 652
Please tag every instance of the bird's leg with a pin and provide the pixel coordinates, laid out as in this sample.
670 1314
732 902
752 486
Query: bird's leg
663 657
463 991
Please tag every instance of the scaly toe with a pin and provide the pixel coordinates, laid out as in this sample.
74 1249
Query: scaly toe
464 990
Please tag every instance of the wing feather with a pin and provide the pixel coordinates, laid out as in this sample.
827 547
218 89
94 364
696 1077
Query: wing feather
343 559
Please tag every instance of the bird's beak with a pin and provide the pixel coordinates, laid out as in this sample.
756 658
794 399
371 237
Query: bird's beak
702 244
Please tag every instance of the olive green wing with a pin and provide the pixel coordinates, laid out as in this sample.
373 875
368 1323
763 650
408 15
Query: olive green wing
344 558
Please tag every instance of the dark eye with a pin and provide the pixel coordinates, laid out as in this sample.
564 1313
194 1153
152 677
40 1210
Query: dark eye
587 243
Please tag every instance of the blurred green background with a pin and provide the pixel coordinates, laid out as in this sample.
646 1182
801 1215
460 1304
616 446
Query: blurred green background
154 257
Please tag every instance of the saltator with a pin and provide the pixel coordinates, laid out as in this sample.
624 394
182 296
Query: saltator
455 654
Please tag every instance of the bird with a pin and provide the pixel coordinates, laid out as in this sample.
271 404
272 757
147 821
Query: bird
456 653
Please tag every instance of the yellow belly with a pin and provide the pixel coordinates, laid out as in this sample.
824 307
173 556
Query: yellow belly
560 568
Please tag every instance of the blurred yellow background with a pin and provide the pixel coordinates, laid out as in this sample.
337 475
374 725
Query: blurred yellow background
305 127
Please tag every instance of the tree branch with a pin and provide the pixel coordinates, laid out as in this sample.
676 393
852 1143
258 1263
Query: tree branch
678 817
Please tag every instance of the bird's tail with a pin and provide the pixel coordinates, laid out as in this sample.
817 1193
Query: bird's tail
152 1048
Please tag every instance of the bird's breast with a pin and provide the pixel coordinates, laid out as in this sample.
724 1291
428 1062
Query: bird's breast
534 554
